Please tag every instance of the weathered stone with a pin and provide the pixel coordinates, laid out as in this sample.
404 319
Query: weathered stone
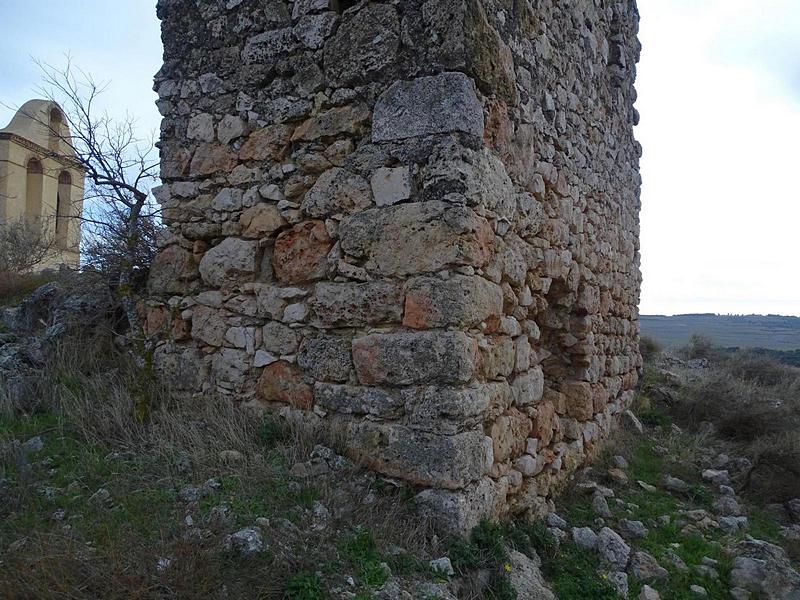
544 423
526 578
305 7
358 304
201 128
458 512
282 382
209 159
279 339
509 435
230 263
584 537
417 238
528 388
313 30
645 568
349 119
247 542
460 301
267 46
261 220
355 400
437 104
208 326
300 254
579 401
326 358
444 461
415 358
229 366
337 191
765 570
613 550
182 367
648 593
444 409
390 186
366 42
269 143
171 269
230 128
497 357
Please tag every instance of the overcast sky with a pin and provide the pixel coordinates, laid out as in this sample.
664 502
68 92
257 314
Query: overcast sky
719 97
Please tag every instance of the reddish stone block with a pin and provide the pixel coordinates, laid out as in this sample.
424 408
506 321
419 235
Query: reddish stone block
269 143
579 400
301 253
282 382
544 423
213 158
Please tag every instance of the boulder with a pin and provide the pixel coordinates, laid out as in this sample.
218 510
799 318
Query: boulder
526 578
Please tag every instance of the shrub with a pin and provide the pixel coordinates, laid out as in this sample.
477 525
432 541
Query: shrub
754 402
649 348
700 346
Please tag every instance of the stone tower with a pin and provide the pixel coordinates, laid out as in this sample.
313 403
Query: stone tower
40 180
415 221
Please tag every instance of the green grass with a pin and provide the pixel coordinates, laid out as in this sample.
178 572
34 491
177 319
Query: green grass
305 586
362 552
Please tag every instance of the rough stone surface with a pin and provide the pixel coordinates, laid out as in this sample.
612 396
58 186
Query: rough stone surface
613 550
232 262
526 578
765 570
437 104
414 222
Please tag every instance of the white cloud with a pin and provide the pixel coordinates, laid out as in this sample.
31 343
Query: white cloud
720 206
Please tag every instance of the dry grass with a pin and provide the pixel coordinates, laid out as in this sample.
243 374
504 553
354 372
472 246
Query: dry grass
107 423
754 404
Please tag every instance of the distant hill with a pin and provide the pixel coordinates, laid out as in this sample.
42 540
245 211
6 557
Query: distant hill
773 332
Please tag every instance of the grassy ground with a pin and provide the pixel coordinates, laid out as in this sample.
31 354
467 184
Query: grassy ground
98 511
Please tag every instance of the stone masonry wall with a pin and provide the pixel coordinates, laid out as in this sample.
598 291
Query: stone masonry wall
416 221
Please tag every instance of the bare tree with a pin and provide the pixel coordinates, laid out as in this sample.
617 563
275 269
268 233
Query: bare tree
23 245
120 216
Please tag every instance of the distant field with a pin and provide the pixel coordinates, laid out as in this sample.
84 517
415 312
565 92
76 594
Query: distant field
746 331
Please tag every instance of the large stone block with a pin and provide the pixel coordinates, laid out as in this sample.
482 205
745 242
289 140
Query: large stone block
230 263
528 387
326 358
441 103
579 400
383 403
460 301
268 143
208 325
283 382
442 461
301 253
172 268
442 409
350 120
415 238
337 191
365 43
358 304
181 367
415 358
457 513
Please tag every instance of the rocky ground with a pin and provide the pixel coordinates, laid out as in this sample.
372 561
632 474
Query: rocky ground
659 516
110 488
